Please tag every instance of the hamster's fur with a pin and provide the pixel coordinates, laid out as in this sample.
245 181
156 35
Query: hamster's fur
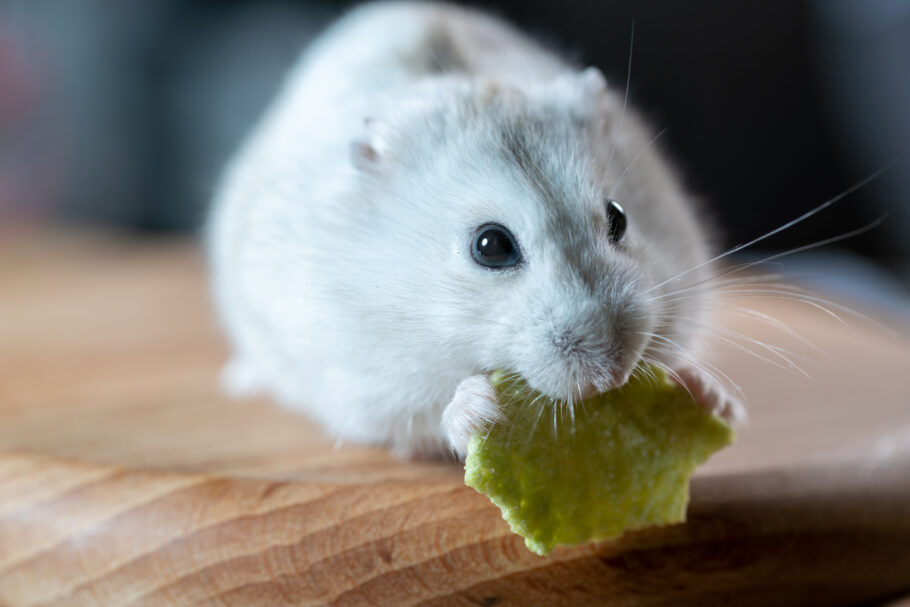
340 238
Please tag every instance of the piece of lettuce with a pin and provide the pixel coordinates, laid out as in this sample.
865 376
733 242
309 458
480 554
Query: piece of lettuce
623 463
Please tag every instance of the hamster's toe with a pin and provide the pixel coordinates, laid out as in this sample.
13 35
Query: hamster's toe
712 395
473 408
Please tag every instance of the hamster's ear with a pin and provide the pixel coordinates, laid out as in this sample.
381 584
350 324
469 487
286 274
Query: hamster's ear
585 90
364 156
593 82
365 149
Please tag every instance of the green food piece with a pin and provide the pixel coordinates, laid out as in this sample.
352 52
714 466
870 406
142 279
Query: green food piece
623 463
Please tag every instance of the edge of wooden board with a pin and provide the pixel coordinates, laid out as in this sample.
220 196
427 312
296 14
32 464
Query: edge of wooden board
74 533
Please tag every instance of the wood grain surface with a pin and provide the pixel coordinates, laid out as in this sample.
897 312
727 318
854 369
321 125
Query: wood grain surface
126 479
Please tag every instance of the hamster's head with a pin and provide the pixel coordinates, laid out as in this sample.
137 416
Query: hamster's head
538 232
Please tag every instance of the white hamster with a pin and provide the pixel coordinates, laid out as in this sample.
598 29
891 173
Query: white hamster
434 196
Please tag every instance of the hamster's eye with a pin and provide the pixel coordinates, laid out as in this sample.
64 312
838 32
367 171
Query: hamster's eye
495 247
617 217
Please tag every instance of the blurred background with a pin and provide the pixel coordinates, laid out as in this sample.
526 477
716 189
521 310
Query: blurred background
122 112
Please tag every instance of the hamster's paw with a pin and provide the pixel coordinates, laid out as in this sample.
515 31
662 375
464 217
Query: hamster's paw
711 395
473 408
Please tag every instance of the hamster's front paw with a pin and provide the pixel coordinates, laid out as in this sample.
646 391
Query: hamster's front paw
711 395
473 408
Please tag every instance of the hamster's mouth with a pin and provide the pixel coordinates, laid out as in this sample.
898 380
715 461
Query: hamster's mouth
596 387
583 378
590 387
588 391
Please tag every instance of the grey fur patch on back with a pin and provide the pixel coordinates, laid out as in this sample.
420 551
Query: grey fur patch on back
438 53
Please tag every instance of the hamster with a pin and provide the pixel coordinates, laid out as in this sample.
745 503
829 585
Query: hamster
433 196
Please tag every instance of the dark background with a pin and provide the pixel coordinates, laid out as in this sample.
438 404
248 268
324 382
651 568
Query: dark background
122 112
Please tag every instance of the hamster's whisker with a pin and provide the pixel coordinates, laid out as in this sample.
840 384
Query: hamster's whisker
787 365
715 371
667 341
571 405
785 226
511 376
555 422
671 373
647 334
543 405
732 285
728 288
634 160
714 282
825 305
625 101
537 398
672 348
769 259
729 339
778 351
583 407
775 323
807 247
645 372
787 293
540 409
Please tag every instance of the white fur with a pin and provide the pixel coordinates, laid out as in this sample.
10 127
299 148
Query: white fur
340 237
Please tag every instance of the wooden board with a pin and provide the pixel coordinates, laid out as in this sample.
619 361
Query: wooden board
125 479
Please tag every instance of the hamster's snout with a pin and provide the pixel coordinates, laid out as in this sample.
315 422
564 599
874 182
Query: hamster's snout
581 345
598 367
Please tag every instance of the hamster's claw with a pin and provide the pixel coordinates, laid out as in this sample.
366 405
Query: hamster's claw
711 395
473 408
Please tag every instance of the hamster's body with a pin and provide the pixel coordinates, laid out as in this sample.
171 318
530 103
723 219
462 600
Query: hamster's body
341 237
